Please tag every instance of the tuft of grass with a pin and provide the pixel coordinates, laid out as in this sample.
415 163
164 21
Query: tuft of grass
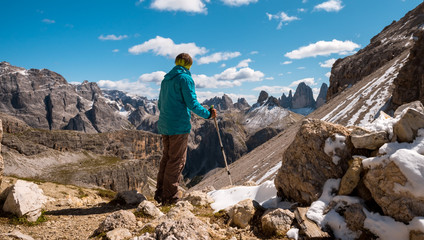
142 215
81 193
147 229
104 193
24 221
166 208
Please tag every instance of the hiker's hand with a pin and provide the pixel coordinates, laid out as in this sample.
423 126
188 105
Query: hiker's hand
213 113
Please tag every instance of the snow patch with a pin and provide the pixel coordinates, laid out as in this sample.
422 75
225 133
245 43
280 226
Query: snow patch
265 194
331 146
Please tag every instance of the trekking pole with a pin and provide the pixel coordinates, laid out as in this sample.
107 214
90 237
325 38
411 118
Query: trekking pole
222 149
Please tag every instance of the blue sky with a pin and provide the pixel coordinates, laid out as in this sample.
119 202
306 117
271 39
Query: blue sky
240 47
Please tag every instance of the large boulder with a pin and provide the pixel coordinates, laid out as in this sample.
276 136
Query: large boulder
371 141
407 127
397 190
25 199
320 151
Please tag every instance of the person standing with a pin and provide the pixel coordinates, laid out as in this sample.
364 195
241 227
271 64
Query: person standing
177 99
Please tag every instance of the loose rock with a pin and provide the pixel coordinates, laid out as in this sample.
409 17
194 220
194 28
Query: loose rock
198 198
118 234
277 221
241 213
119 219
129 198
25 199
406 128
352 177
149 209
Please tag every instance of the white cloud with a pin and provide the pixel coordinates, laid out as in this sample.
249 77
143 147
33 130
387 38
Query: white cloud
330 6
274 89
244 63
126 85
217 57
223 65
307 81
301 10
155 77
315 92
328 74
323 48
301 68
287 62
112 37
282 17
193 6
238 2
254 52
48 21
115 50
230 77
304 1
329 63
166 47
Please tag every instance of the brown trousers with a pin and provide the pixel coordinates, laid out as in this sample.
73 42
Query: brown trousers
171 165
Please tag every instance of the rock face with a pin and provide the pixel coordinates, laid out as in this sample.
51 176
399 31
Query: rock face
25 199
263 96
44 99
303 97
322 96
220 104
241 104
388 44
121 160
286 102
410 80
307 166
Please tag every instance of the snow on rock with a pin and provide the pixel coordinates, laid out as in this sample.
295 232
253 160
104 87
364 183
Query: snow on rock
293 233
331 146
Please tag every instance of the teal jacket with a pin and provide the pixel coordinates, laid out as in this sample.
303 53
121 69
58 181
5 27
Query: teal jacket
176 98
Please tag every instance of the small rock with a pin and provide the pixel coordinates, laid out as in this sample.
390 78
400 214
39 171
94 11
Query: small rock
241 213
185 204
118 234
355 217
25 199
198 198
250 183
277 221
129 198
352 176
371 141
149 209
18 235
145 236
119 219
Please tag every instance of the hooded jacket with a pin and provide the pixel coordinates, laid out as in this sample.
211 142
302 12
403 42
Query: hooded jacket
177 98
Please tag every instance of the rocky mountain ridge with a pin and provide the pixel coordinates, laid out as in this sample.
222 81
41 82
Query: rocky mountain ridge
391 42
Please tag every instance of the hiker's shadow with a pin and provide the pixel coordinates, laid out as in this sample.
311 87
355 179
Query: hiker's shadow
100 209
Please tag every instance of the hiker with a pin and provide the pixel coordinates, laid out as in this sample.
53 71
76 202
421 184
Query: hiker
177 98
